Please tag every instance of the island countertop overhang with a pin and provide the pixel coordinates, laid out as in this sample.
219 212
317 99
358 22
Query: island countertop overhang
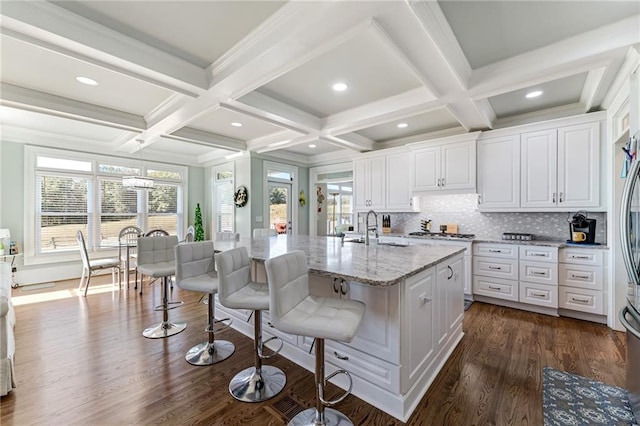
375 265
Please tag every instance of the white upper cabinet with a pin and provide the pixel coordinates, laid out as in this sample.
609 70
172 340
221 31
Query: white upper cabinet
369 179
499 173
444 167
398 189
538 177
561 167
579 166
544 169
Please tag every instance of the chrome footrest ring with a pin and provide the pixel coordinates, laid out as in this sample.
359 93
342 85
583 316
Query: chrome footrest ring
213 329
344 395
275 352
168 308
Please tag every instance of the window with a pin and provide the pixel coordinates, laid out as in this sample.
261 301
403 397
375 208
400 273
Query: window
339 207
69 191
223 199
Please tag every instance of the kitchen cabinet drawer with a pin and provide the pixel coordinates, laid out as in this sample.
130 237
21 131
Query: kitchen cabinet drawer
539 294
495 287
581 256
539 272
578 299
367 367
539 254
496 250
498 268
581 276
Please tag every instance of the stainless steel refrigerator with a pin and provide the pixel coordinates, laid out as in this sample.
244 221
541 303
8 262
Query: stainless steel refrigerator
630 314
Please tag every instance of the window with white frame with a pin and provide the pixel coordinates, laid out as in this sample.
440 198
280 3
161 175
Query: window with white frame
223 200
74 191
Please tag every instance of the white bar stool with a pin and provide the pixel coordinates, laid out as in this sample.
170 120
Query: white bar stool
237 291
195 271
294 310
156 259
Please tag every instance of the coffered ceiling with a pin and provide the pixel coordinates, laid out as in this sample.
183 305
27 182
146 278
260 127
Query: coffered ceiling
201 80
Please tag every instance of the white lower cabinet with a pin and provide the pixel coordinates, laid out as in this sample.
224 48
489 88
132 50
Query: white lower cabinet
582 280
525 274
467 259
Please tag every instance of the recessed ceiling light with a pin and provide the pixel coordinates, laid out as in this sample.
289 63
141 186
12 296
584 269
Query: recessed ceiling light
312 146
340 87
534 94
402 125
236 124
86 80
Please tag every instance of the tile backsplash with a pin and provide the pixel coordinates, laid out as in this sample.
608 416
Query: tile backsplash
461 210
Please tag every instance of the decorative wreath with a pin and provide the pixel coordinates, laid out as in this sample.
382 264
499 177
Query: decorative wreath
241 196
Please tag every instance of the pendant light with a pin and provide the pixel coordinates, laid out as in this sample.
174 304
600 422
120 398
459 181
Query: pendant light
138 183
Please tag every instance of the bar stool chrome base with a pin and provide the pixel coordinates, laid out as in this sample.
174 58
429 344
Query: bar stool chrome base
251 386
164 329
309 416
210 353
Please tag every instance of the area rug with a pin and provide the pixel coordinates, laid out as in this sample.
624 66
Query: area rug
467 304
568 399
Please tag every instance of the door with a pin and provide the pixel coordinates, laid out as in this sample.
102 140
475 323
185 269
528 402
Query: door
425 169
458 168
579 166
499 172
361 194
398 186
280 207
538 173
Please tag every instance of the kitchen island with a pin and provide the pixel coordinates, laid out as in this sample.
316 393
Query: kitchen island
413 318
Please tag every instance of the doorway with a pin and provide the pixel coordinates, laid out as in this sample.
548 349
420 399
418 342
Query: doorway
280 207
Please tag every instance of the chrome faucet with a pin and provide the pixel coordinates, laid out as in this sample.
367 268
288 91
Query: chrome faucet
371 228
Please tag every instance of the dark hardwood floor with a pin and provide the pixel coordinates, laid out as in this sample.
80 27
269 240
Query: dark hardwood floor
83 361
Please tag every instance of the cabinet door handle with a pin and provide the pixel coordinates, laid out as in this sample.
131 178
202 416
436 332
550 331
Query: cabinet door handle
575 299
343 291
424 298
539 254
342 357
575 256
479 199
494 251
538 295
584 277
450 270
538 273
554 198
335 289
561 196
495 268
443 182
495 288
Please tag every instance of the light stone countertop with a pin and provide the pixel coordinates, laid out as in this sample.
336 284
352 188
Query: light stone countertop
376 265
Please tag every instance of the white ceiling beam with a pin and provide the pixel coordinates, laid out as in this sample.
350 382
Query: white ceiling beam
350 141
590 88
571 56
35 101
286 144
265 116
76 36
265 107
436 26
630 64
396 107
284 135
203 138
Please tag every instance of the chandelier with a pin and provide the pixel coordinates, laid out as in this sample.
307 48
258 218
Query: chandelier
138 183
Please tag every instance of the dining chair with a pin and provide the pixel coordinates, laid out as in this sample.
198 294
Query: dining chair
88 265
226 236
127 250
190 234
157 232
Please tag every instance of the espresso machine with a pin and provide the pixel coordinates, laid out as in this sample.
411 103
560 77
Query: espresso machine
582 230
